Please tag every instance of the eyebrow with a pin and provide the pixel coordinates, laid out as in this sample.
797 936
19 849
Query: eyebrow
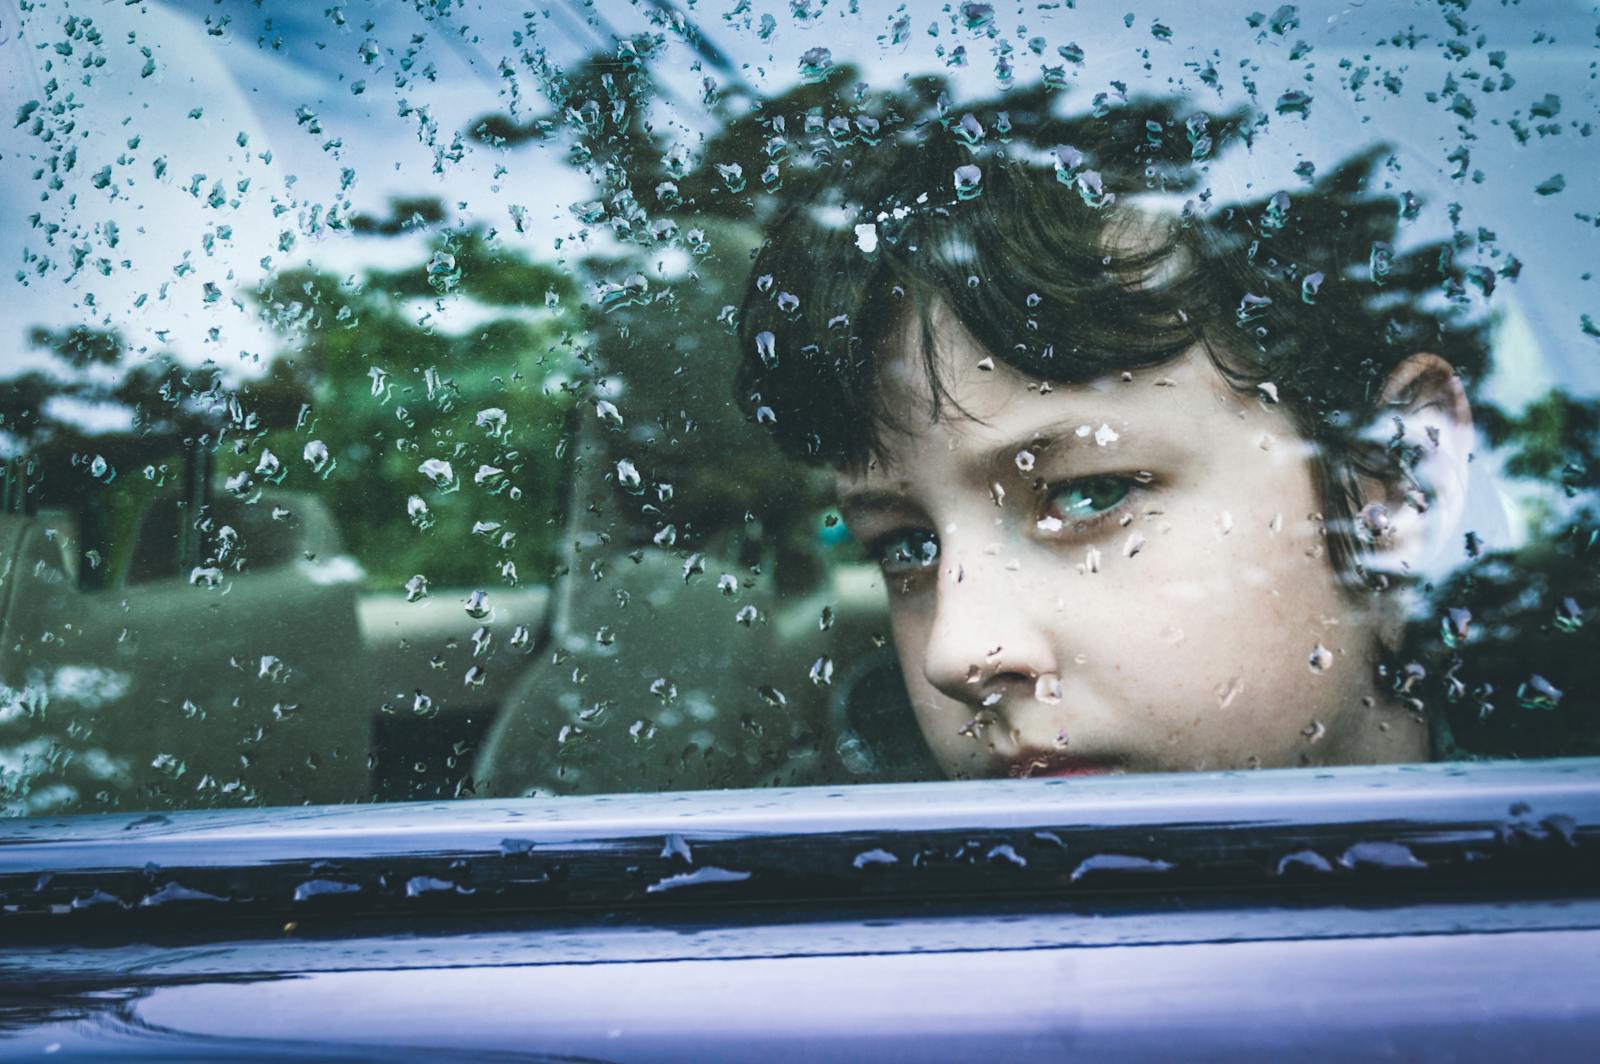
1001 459
875 499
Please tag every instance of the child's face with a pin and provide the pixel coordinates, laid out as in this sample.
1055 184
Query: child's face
1121 576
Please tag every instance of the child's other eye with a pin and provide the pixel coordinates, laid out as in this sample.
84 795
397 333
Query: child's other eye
906 551
1082 500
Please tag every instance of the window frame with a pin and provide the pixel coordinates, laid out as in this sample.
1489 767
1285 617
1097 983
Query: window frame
1356 835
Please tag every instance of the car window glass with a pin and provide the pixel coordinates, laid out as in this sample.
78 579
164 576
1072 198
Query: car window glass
448 400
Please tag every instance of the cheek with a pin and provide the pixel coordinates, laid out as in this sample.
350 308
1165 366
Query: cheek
1214 621
910 633
939 717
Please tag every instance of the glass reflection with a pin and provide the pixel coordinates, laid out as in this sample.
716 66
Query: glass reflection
438 400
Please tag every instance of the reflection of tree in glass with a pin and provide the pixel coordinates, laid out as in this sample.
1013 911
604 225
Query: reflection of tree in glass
104 416
1510 652
382 381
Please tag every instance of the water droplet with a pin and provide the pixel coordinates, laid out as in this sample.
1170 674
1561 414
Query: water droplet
1251 308
313 888
677 846
1091 189
628 477
874 858
969 130
766 349
1551 185
969 182
172 892
1068 161
1381 261
317 457
477 605
976 16
854 754
1320 659
1118 863
1295 101
1006 854
732 176
822 672
1228 690
815 64
1380 855
1305 860
440 473
417 588
633 291
699 877
1373 523
418 886
269 468
1538 693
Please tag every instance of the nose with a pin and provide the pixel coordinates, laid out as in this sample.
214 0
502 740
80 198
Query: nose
984 638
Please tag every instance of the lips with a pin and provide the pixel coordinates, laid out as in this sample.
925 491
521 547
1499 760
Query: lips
1038 765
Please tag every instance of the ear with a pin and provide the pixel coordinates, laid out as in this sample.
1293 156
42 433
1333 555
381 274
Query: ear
1424 423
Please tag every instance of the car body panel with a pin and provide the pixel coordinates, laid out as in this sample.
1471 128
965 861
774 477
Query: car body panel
1411 912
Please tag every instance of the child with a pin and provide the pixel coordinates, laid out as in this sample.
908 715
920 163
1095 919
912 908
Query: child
1149 488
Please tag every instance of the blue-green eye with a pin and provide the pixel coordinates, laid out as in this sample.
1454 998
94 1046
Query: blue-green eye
1085 498
906 551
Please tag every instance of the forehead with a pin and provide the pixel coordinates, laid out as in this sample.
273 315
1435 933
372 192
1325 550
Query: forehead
989 406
